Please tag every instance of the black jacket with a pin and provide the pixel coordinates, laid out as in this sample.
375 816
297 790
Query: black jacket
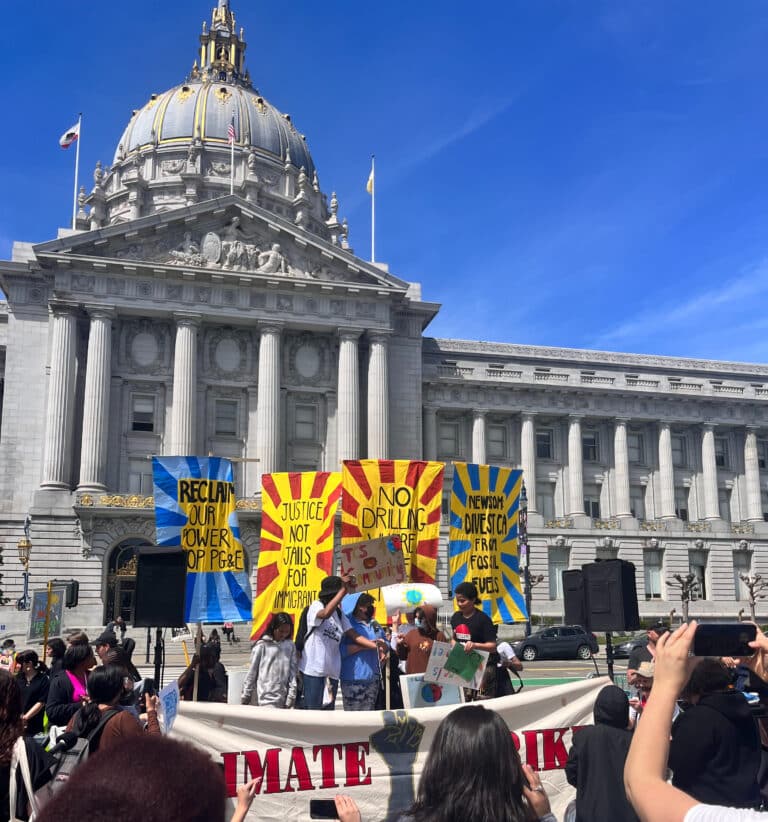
59 706
715 751
595 764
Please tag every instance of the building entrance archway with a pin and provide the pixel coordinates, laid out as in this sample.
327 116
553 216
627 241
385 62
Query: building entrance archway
121 579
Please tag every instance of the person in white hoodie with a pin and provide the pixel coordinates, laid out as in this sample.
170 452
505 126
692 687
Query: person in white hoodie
271 679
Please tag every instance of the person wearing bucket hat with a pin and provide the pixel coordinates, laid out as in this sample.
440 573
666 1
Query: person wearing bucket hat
321 656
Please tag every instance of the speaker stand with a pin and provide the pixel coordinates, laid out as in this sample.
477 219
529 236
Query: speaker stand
159 657
609 654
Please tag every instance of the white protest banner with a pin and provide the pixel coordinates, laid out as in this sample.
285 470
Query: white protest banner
436 668
373 562
169 705
374 756
408 596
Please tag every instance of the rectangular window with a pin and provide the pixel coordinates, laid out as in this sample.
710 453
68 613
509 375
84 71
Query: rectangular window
762 453
448 439
636 448
496 442
557 563
652 572
742 564
681 504
544 440
592 507
721 452
225 418
697 562
545 501
305 422
140 476
589 443
637 502
679 456
724 500
142 412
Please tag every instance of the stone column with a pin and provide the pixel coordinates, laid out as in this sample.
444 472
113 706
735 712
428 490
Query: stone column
528 458
430 433
348 414
183 441
268 402
59 417
666 473
575 468
98 375
752 476
378 396
621 469
478 437
709 471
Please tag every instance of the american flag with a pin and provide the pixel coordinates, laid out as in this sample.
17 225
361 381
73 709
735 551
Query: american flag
231 134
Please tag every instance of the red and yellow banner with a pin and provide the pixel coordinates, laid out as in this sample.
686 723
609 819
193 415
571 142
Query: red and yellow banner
296 550
395 497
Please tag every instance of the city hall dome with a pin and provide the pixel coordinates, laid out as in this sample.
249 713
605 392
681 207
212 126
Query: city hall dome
212 134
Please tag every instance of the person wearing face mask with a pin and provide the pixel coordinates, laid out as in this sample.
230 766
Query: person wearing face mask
360 672
416 646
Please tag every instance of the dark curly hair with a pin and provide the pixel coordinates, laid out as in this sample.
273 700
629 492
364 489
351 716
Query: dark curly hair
11 723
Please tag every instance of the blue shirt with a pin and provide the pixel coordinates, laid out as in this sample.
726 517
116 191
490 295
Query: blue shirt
364 665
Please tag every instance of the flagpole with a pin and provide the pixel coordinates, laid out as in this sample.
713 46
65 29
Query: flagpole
373 209
232 166
77 169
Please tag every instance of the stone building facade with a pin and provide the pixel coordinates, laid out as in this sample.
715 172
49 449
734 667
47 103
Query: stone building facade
204 308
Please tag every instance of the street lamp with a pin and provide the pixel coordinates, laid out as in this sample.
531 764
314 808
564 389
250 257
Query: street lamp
25 549
522 530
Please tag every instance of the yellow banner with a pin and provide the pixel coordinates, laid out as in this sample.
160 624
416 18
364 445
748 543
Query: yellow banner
383 498
296 548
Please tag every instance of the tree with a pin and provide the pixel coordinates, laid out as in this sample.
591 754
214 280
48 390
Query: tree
754 584
689 586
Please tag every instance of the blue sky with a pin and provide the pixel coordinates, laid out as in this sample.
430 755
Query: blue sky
556 172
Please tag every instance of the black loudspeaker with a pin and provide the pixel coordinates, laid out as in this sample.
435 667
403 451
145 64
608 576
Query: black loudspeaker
573 596
161 583
73 590
610 596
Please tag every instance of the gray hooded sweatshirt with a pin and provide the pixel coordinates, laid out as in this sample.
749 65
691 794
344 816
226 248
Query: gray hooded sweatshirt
271 679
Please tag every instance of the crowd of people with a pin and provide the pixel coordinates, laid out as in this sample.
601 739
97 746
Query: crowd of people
688 746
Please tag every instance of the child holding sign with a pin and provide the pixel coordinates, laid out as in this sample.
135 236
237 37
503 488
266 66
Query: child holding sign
474 630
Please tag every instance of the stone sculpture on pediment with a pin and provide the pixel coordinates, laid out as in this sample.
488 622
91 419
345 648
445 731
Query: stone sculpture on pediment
188 253
218 169
272 261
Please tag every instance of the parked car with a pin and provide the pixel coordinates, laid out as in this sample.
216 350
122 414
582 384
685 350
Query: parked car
557 642
624 649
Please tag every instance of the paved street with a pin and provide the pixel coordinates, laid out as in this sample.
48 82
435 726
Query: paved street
545 672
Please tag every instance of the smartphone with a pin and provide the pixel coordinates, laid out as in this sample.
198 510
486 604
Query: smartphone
724 639
323 809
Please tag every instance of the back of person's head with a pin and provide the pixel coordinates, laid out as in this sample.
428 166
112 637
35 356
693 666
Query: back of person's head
472 772
214 636
207 655
78 638
129 645
117 656
11 722
147 778
57 648
612 707
105 687
710 676
76 655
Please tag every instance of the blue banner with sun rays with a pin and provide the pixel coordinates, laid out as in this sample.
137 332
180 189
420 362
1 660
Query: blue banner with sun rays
195 510
483 547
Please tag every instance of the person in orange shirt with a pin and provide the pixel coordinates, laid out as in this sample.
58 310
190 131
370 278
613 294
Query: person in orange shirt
415 646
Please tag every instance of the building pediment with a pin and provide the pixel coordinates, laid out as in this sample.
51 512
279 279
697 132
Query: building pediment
222 236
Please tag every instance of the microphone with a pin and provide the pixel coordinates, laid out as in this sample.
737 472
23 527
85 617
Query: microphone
66 741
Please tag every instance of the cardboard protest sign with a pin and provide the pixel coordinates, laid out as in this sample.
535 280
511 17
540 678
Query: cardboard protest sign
439 673
296 548
195 510
483 546
373 562
376 757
